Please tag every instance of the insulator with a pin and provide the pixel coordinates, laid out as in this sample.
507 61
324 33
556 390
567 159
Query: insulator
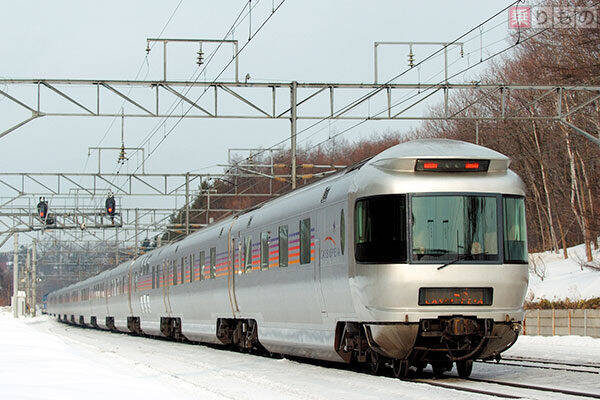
122 157
200 60
148 48
411 60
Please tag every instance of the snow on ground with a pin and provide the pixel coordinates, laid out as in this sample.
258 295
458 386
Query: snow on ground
576 349
39 365
564 278
44 359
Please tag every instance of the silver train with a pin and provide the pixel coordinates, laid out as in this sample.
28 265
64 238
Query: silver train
416 256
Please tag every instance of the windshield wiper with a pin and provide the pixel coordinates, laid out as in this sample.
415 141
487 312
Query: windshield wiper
459 258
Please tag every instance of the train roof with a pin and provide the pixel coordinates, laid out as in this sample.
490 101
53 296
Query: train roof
403 156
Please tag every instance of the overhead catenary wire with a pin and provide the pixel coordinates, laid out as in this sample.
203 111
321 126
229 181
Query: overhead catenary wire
143 63
173 106
520 41
431 86
383 85
391 80
194 78
180 118
395 105
236 23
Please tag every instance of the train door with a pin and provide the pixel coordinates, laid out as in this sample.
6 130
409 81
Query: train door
231 249
129 288
169 272
318 270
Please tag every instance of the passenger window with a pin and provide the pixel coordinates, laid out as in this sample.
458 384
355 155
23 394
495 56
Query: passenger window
283 246
191 268
238 258
213 261
264 250
158 275
202 262
342 231
248 253
183 268
153 278
305 240
174 272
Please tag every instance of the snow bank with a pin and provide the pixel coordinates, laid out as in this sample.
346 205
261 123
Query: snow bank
564 278
580 349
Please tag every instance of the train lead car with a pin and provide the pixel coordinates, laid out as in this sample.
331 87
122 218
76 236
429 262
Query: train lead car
416 256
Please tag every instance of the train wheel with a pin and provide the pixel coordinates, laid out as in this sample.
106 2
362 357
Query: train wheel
400 368
376 363
420 366
464 368
439 368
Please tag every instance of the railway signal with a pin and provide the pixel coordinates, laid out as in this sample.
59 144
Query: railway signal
110 207
42 208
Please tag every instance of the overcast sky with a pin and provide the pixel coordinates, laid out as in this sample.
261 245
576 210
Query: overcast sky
309 40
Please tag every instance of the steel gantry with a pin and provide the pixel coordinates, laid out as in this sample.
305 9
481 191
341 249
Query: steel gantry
232 100
97 184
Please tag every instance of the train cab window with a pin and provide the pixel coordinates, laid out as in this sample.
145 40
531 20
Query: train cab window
248 254
380 229
283 246
515 232
305 241
213 261
202 262
454 228
264 250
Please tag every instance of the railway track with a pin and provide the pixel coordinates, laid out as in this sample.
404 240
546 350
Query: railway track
497 388
541 361
491 387
546 364
466 389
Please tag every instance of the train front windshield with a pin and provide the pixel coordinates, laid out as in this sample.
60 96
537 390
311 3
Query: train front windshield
467 227
449 227
442 228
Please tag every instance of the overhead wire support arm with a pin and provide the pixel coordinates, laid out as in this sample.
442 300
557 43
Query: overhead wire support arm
165 41
411 54
581 132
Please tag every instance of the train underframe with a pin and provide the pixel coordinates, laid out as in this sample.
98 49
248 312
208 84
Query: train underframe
440 342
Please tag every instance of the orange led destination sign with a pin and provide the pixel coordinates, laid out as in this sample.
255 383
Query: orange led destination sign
455 296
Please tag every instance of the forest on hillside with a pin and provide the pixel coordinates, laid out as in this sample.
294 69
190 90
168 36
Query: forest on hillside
560 168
